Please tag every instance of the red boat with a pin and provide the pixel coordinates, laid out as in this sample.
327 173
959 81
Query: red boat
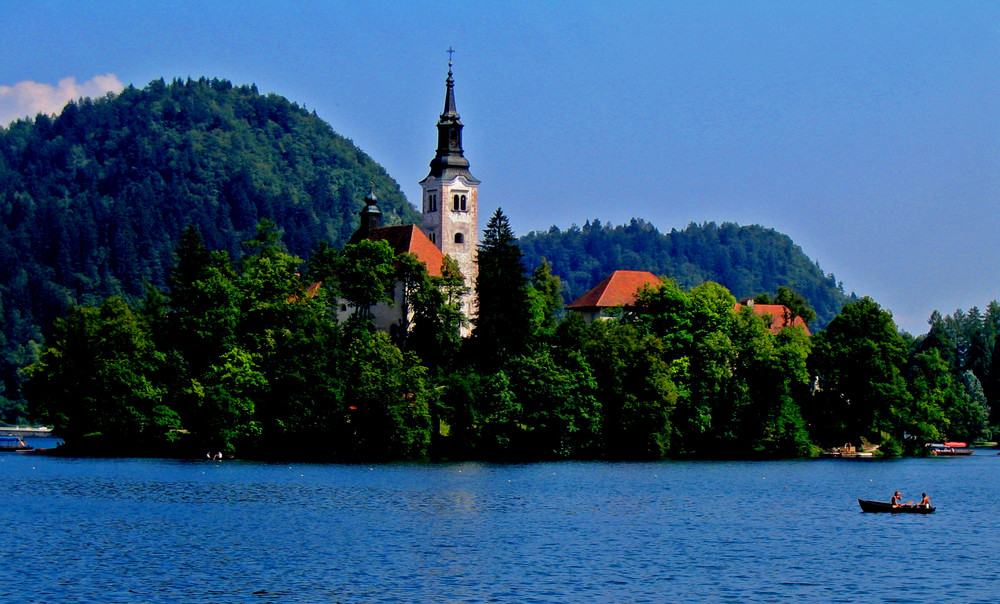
950 448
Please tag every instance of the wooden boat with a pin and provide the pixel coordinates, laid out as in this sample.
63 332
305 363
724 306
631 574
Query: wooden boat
881 506
849 451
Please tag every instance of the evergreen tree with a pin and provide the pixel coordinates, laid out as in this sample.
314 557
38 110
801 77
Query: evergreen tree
503 312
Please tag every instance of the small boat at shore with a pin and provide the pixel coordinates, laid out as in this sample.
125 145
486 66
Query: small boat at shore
849 451
881 506
13 443
950 449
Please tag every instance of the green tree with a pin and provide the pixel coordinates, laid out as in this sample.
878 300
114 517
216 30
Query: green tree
96 379
968 420
858 362
365 275
284 320
503 313
561 414
385 401
634 385
413 285
438 318
226 395
772 370
795 303
545 296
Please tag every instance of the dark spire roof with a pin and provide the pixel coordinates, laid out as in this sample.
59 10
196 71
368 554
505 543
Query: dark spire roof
371 216
370 199
449 160
450 112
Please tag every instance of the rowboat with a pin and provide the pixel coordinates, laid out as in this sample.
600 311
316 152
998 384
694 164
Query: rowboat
881 506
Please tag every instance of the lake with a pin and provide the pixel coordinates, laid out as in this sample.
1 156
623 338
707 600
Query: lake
139 530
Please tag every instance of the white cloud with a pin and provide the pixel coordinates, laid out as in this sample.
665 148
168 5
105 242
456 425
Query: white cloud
28 99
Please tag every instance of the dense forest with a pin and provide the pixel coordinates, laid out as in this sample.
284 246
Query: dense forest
249 359
747 260
93 202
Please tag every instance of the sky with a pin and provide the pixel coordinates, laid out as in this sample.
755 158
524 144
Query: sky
867 131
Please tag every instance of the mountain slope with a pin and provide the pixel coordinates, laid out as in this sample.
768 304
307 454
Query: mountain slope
93 201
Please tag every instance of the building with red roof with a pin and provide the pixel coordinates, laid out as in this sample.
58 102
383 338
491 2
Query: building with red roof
778 316
407 239
403 239
620 289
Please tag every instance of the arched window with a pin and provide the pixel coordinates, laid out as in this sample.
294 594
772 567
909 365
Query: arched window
463 203
431 235
459 238
455 203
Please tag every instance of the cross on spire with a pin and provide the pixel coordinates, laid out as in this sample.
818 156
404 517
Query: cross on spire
450 51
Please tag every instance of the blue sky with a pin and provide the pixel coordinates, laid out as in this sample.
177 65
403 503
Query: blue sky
869 132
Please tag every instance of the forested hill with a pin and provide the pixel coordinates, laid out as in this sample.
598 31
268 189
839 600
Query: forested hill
748 260
92 202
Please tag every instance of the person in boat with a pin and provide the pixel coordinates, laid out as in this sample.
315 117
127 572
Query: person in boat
925 501
897 501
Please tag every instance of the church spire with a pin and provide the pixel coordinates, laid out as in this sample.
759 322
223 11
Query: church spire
371 216
451 198
449 97
449 161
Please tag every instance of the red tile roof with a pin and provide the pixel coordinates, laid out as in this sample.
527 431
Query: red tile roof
619 289
780 314
409 238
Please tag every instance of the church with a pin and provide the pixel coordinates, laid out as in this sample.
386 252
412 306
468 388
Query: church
449 223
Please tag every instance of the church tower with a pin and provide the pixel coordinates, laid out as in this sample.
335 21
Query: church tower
450 192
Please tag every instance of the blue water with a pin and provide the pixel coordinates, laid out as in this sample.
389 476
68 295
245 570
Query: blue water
135 530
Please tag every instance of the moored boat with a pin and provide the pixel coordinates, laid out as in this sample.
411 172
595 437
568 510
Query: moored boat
13 443
849 451
950 449
881 506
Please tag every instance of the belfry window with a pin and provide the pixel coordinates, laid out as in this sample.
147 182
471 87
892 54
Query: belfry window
455 203
432 202
459 238
432 238
463 203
